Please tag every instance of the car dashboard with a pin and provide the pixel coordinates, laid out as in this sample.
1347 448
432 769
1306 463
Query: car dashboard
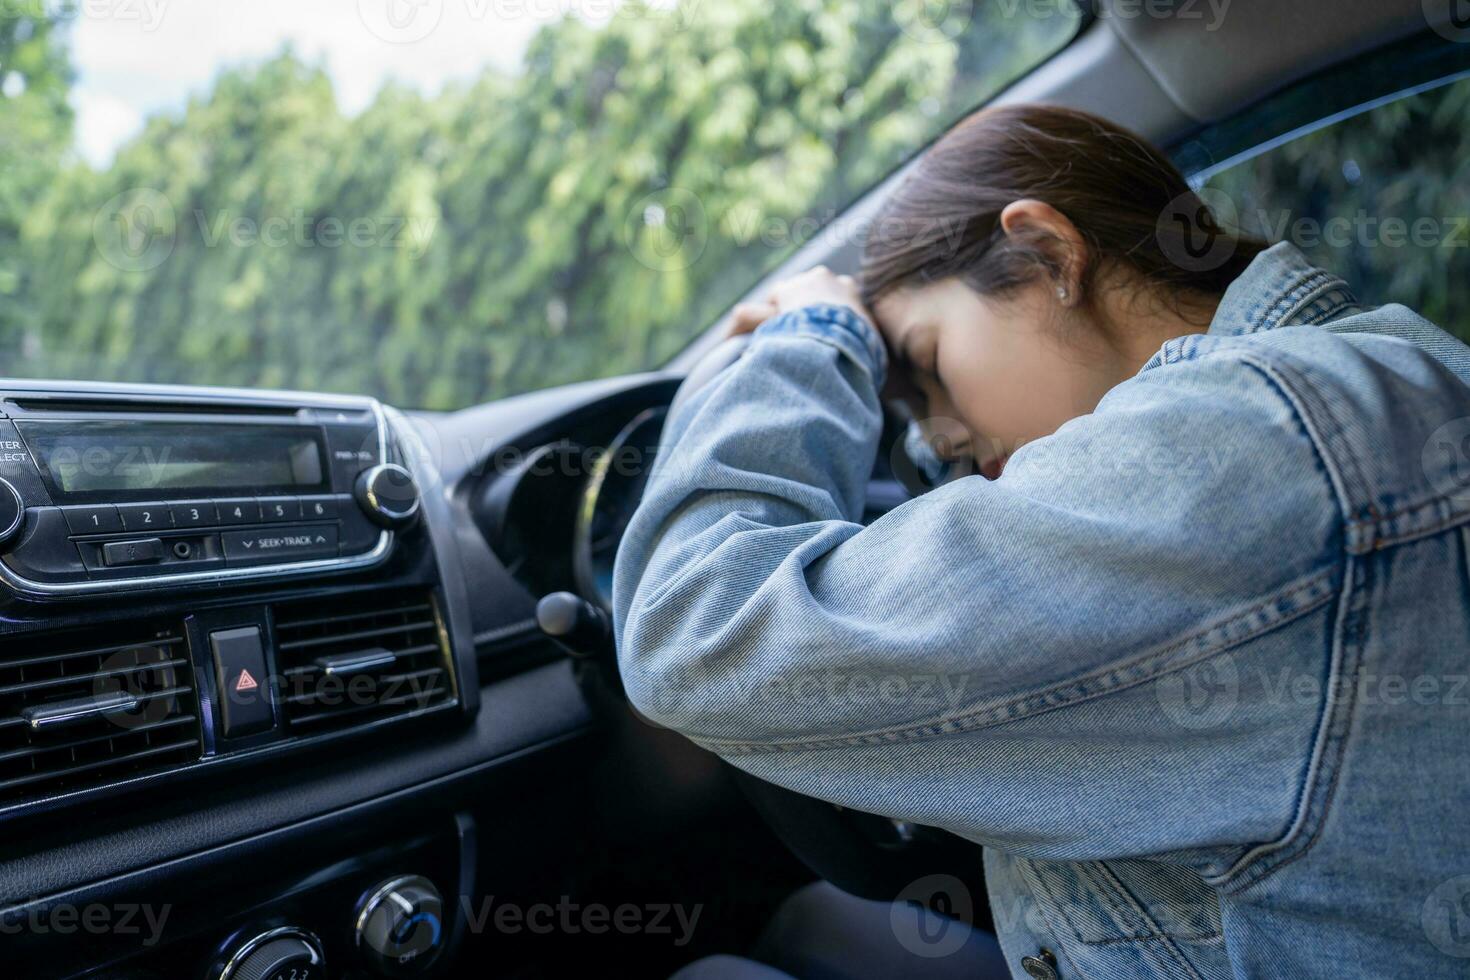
270 672
244 631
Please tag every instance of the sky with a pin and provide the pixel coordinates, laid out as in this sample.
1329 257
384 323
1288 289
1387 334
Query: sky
135 58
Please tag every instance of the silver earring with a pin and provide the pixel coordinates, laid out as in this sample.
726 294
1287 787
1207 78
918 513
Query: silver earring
1062 293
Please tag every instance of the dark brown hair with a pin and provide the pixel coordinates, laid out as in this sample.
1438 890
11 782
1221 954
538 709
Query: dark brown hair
1130 204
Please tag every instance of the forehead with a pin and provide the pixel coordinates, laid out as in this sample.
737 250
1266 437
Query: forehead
901 309
915 308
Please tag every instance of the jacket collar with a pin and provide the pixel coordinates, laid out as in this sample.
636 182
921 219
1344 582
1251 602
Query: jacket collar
1281 288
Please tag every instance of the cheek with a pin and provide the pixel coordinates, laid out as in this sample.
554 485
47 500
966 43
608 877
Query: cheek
1006 387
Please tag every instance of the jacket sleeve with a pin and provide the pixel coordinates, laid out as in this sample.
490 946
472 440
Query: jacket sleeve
1091 657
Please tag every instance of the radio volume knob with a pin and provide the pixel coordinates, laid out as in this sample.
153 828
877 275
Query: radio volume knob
388 495
12 512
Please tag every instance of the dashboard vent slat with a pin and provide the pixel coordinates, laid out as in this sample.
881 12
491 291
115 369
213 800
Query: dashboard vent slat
80 709
351 661
106 651
156 750
64 681
372 634
147 727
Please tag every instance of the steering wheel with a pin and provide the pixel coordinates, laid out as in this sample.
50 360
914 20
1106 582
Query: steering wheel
866 855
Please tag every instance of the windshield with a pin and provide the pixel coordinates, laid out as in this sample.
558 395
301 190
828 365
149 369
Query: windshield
442 202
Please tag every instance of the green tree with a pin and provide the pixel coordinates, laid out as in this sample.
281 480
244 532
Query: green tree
35 130
581 218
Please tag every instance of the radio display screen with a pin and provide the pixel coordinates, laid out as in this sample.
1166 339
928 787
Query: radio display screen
130 458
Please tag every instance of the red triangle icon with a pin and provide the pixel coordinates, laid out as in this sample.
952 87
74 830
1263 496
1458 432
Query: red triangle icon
246 682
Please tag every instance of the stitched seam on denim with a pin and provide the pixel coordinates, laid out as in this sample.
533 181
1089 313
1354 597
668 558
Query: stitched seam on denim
1052 903
1382 536
1294 299
1337 301
1132 900
1331 739
1159 931
808 321
1372 532
1045 900
1147 940
1316 434
1116 907
1308 421
1336 439
856 326
1304 596
1383 541
1284 302
1120 904
1132 919
1320 316
1375 529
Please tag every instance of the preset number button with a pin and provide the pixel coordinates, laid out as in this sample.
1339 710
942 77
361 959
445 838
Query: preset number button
93 519
280 508
146 517
238 510
195 513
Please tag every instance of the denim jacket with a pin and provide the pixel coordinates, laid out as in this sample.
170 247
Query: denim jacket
1193 669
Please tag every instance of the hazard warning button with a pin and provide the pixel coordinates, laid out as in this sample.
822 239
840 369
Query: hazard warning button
241 683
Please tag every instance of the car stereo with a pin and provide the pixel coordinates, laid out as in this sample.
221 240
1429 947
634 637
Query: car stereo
106 490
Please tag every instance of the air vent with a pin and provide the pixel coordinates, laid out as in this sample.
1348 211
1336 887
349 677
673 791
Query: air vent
349 661
81 709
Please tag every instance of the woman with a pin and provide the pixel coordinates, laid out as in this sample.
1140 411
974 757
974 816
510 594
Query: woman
1161 657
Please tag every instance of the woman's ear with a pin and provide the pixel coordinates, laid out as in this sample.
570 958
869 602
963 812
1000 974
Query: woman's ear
1052 232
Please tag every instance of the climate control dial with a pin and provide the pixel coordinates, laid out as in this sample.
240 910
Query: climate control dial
400 927
280 954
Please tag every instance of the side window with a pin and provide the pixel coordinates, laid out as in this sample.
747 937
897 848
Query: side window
1381 197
